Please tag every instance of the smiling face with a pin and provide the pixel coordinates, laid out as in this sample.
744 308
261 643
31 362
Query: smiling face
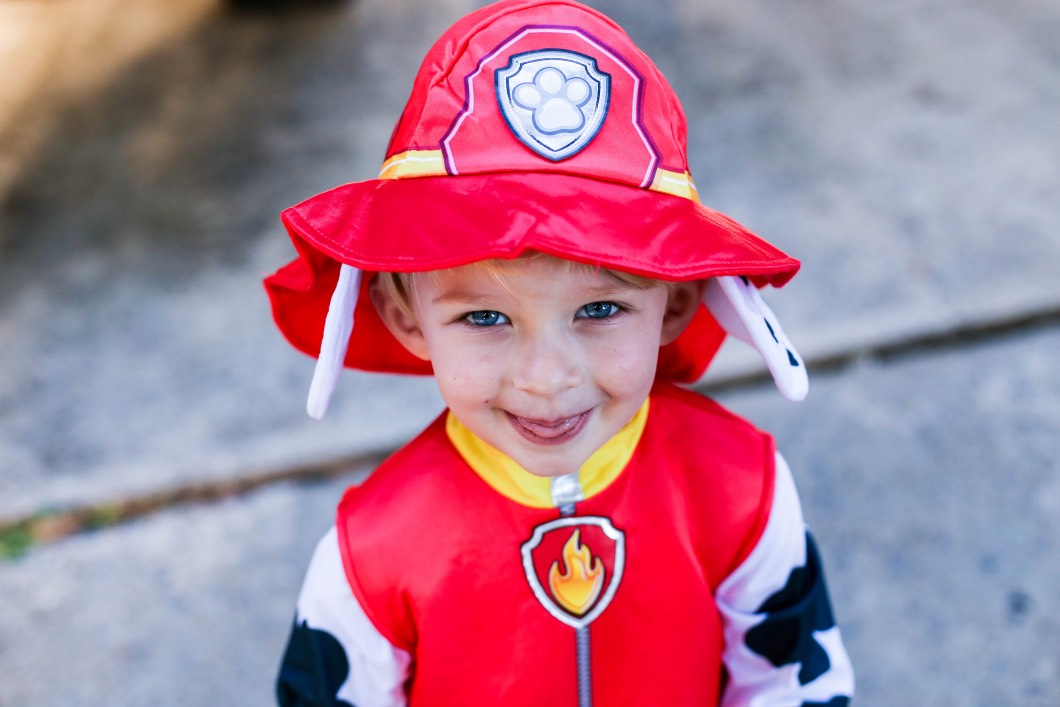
542 359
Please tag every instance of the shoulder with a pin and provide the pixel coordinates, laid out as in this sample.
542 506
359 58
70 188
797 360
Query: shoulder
392 518
409 476
700 431
726 468
683 406
389 524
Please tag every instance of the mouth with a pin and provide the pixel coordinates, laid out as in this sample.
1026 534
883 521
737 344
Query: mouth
549 432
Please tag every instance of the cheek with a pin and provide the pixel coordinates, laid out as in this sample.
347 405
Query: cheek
629 368
468 376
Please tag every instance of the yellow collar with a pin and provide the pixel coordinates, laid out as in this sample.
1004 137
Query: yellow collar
512 481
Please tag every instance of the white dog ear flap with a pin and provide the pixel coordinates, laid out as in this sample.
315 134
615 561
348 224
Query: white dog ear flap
336 340
741 311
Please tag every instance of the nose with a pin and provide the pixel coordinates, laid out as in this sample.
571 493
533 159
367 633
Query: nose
546 363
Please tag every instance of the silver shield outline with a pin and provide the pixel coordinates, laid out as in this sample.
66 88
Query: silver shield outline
522 68
543 596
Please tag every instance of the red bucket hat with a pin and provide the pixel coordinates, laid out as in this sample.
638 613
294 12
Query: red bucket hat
532 126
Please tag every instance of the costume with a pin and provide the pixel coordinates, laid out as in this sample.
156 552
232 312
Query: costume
672 537
673 567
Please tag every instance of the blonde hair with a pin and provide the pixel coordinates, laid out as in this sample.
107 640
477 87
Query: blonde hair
399 285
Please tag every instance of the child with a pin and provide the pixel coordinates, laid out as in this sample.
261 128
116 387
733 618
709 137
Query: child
574 529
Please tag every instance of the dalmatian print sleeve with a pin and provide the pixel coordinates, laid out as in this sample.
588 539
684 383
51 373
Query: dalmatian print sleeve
782 646
335 656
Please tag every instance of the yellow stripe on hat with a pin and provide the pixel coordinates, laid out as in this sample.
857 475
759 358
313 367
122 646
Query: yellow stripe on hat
414 163
676 183
430 163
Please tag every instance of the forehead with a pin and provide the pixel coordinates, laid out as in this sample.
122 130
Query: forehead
526 276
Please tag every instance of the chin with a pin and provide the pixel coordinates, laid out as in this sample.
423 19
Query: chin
547 473
552 467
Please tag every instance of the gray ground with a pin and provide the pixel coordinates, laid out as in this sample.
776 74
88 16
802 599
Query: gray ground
907 152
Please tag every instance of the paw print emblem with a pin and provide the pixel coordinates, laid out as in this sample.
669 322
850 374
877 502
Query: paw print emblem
554 100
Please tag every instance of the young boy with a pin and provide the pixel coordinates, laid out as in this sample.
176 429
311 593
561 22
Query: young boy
574 529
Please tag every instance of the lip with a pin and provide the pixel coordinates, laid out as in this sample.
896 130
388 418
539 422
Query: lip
549 432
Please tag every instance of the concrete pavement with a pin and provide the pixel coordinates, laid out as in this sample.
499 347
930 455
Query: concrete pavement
906 152
940 532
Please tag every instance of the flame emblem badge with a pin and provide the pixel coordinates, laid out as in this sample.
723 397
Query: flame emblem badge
574 566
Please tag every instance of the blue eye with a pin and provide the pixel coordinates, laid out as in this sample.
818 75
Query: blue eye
598 310
486 318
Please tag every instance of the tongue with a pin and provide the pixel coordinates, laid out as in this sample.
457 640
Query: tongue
545 429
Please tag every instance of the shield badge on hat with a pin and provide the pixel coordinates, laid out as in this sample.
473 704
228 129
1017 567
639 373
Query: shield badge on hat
553 100
574 567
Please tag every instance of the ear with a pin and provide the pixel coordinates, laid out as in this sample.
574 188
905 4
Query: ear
681 306
399 319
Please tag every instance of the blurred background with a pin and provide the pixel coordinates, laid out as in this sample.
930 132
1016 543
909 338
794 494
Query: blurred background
161 487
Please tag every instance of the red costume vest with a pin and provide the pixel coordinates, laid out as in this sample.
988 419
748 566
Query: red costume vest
487 595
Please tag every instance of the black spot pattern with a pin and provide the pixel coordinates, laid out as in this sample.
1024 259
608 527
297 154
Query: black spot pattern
834 702
771 332
793 614
313 669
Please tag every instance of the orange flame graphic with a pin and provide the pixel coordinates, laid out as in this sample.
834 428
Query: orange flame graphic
577 588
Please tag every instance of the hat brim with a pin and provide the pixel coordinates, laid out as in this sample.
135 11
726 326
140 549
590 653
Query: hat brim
432 223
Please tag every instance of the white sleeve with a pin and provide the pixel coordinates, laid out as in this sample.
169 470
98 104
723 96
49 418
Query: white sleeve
335 656
782 647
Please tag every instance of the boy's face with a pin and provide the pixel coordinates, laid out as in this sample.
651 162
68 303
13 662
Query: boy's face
545 362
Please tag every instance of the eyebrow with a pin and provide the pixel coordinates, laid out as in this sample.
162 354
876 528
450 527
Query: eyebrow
461 297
